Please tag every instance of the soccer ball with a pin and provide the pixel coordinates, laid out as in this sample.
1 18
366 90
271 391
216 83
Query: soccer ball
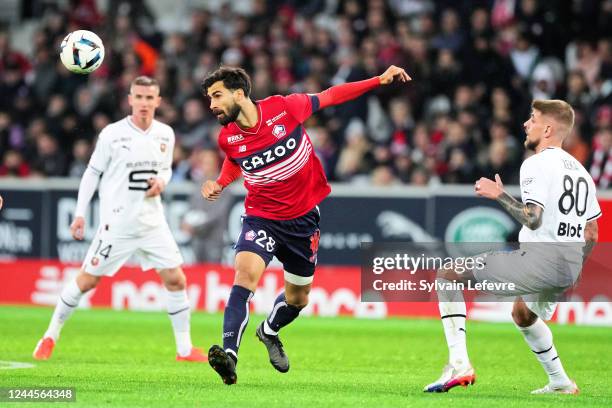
82 52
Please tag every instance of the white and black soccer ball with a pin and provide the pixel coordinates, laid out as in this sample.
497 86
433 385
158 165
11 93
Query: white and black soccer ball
82 52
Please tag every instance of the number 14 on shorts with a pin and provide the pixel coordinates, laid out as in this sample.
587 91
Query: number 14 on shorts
101 250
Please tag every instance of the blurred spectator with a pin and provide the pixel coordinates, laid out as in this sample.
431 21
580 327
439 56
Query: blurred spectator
577 91
577 147
601 159
81 153
325 149
13 165
451 36
50 160
524 56
403 123
460 168
499 163
205 222
193 129
383 176
420 177
181 167
355 158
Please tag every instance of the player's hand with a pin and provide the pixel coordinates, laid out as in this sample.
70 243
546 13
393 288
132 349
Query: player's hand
156 186
487 188
1 202
211 190
393 73
187 228
77 228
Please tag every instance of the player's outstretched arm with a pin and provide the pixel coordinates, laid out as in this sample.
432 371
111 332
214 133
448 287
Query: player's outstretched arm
338 94
529 215
1 202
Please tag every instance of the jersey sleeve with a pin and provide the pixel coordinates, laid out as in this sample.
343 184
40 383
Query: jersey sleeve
230 170
301 106
593 209
166 170
533 184
101 155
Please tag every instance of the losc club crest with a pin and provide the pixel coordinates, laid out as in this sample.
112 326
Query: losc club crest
279 131
250 236
162 147
95 261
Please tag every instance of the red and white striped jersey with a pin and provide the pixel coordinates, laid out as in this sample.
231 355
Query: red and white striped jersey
283 176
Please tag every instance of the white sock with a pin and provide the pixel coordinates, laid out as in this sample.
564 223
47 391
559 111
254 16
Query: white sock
453 319
180 315
540 340
67 302
453 313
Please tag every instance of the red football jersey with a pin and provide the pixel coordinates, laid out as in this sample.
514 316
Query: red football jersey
283 176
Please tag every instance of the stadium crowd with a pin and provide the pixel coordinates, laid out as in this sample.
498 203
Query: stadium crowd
476 65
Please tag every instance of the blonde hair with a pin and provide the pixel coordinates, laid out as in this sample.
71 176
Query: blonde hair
144 81
557 109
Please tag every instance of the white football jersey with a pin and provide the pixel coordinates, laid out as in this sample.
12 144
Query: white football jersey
553 180
127 157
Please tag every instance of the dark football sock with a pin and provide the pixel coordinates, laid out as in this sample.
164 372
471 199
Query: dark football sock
236 318
282 314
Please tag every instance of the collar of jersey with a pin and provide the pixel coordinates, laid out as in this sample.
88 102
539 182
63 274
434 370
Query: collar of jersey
257 125
133 125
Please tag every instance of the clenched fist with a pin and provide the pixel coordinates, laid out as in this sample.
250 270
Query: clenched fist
211 190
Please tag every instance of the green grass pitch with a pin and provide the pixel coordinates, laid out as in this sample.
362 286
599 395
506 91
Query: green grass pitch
125 359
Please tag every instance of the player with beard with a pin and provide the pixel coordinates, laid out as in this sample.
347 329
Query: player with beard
266 142
559 212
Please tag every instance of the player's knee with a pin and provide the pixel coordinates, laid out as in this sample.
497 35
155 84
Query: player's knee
174 279
445 273
87 282
299 300
522 316
246 277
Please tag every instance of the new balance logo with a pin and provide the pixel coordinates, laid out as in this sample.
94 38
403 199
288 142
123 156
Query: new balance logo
235 138
242 149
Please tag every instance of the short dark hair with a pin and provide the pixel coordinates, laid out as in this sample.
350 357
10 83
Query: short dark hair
233 78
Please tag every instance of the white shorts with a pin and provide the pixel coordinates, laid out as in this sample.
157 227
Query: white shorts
540 273
109 250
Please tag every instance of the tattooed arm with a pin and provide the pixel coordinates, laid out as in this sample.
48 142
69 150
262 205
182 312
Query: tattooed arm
591 235
529 215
